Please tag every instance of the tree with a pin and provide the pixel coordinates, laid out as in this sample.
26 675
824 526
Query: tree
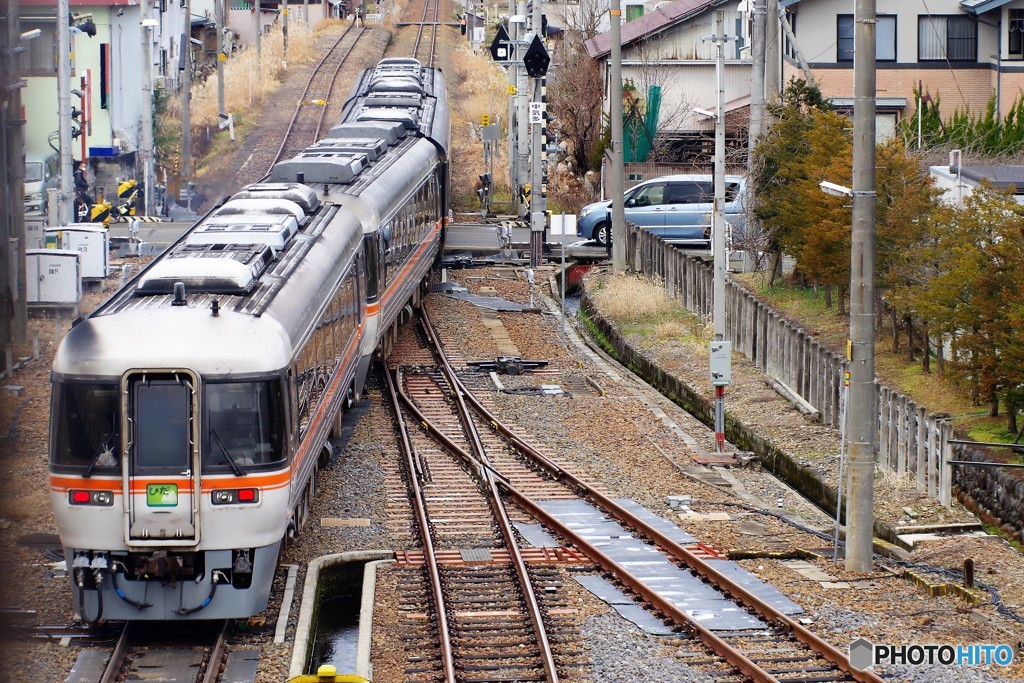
576 110
972 294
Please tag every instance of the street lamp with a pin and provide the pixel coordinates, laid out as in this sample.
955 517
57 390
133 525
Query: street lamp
835 190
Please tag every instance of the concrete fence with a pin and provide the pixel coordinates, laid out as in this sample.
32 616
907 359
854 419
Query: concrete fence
911 440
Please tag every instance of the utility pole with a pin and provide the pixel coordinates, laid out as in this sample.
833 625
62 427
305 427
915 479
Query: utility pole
259 45
13 292
284 30
11 198
757 79
522 106
513 109
860 501
772 60
146 148
219 9
67 185
538 201
186 103
618 230
720 349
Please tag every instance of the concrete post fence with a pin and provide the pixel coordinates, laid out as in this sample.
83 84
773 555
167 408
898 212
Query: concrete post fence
911 441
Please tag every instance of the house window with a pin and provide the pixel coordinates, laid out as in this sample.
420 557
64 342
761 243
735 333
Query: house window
1016 38
634 12
885 38
40 55
953 38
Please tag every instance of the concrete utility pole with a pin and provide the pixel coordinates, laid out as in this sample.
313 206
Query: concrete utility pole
186 102
146 152
522 106
772 51
618 228
860 502
14 315
757 79
720 349
219 9
8 76
513 108
538 200
284 29
259 45
66 195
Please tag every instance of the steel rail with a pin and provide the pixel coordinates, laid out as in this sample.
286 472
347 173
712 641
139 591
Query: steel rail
302 98
801 633
330 88
117 657
419 504
515 555
500 513
216 654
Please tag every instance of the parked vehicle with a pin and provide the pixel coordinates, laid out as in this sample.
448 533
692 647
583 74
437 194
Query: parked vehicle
677 208
41 173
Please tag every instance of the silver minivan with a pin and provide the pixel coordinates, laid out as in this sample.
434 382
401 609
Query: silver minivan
41 173
676 208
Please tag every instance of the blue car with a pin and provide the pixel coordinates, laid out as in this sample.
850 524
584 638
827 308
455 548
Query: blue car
677 208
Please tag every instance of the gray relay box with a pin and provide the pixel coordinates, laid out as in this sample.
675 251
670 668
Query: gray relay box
721 363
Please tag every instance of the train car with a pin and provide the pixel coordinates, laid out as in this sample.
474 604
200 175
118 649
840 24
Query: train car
191 412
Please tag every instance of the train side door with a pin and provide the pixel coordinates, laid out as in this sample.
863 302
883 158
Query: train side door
161 457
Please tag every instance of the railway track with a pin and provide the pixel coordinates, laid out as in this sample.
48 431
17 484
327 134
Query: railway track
152 652
487 622
307 123
419 51
769 645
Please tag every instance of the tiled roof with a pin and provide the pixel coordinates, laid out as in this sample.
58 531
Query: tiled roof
651 23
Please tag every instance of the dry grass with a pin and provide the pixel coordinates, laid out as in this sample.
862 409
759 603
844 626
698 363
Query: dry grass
633 299
482 90
247 80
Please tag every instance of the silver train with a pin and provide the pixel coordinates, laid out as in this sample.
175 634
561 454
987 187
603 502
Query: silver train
191 412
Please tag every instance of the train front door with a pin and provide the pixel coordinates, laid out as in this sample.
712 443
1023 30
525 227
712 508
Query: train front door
161 453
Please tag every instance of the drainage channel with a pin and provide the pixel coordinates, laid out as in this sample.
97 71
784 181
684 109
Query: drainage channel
336 616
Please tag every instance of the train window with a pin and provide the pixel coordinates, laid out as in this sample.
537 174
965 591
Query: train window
245 423
161 440
85 425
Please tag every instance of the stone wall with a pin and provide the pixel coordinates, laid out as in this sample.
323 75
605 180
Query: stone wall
993 493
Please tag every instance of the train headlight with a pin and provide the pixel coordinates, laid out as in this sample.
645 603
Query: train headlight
99 498
233 496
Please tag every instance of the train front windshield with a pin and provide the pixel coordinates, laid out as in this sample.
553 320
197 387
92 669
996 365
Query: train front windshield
245 425
84 427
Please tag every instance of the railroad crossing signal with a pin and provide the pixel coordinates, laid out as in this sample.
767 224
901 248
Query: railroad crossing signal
500 48
536 59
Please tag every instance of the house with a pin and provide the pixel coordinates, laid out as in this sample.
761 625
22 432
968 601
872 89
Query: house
961 50
106 74
668 47
958 182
